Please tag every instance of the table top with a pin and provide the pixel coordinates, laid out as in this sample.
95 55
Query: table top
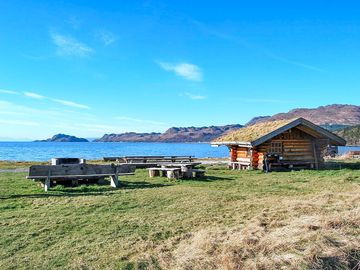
191 164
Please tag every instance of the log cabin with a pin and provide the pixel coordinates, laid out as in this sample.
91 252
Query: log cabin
295 143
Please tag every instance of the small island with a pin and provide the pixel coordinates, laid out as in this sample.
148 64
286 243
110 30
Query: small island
63 138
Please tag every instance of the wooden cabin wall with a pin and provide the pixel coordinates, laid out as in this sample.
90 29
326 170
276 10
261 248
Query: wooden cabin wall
297 146
257 159
242 153
233 153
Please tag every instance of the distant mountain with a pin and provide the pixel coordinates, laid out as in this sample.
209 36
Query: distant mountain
350 134
63 138
130 137
196 134
335 127
330 116
258 119
174 134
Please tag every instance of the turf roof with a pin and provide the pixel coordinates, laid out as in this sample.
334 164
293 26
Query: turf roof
254 132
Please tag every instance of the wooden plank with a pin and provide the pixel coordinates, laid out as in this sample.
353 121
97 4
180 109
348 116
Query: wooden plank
79 170
75 176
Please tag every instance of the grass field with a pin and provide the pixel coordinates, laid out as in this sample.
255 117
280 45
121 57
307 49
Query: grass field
229 220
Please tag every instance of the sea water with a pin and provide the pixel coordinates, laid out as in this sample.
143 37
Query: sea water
44 151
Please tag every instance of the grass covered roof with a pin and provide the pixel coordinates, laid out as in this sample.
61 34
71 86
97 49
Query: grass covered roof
254 132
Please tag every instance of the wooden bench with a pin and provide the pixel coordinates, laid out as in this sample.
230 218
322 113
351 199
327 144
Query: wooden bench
240 165
170 173
175 173
292 165
46 174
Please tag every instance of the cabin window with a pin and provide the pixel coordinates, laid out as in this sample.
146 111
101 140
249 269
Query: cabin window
276 147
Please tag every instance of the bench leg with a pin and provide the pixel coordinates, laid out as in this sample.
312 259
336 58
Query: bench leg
153 173
172 174
47 184
114 181
186 172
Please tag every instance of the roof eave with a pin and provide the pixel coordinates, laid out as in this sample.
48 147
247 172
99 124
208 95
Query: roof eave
246 144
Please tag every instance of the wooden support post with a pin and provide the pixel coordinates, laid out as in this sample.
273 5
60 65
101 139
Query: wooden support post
114 179
47 184
173 174
251 159
153 173
186 172
315 156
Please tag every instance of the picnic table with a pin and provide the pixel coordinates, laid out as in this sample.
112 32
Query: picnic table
175 171
48 174
150 161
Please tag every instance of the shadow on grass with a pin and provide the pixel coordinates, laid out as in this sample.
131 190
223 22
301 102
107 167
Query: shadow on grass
339 165
141 185
87 190
208 179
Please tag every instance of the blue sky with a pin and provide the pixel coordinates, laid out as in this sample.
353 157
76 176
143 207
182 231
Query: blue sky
92 67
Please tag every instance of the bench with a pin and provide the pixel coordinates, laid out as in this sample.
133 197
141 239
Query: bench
47 174
170 173
240 165
175 173
292 165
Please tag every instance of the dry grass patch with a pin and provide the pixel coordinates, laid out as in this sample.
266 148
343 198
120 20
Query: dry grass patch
308 233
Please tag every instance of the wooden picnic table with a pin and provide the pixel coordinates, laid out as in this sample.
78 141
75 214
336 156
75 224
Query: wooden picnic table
175 171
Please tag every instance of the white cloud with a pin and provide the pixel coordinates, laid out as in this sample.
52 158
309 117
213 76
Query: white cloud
106 37
192 96
67 45
10 92
33 95
186 70
70 103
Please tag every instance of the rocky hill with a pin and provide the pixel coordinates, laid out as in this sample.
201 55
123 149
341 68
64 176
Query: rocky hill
63 138
130 137
350 134
335 115
174 134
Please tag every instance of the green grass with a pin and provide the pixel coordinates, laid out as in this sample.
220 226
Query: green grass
136 226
